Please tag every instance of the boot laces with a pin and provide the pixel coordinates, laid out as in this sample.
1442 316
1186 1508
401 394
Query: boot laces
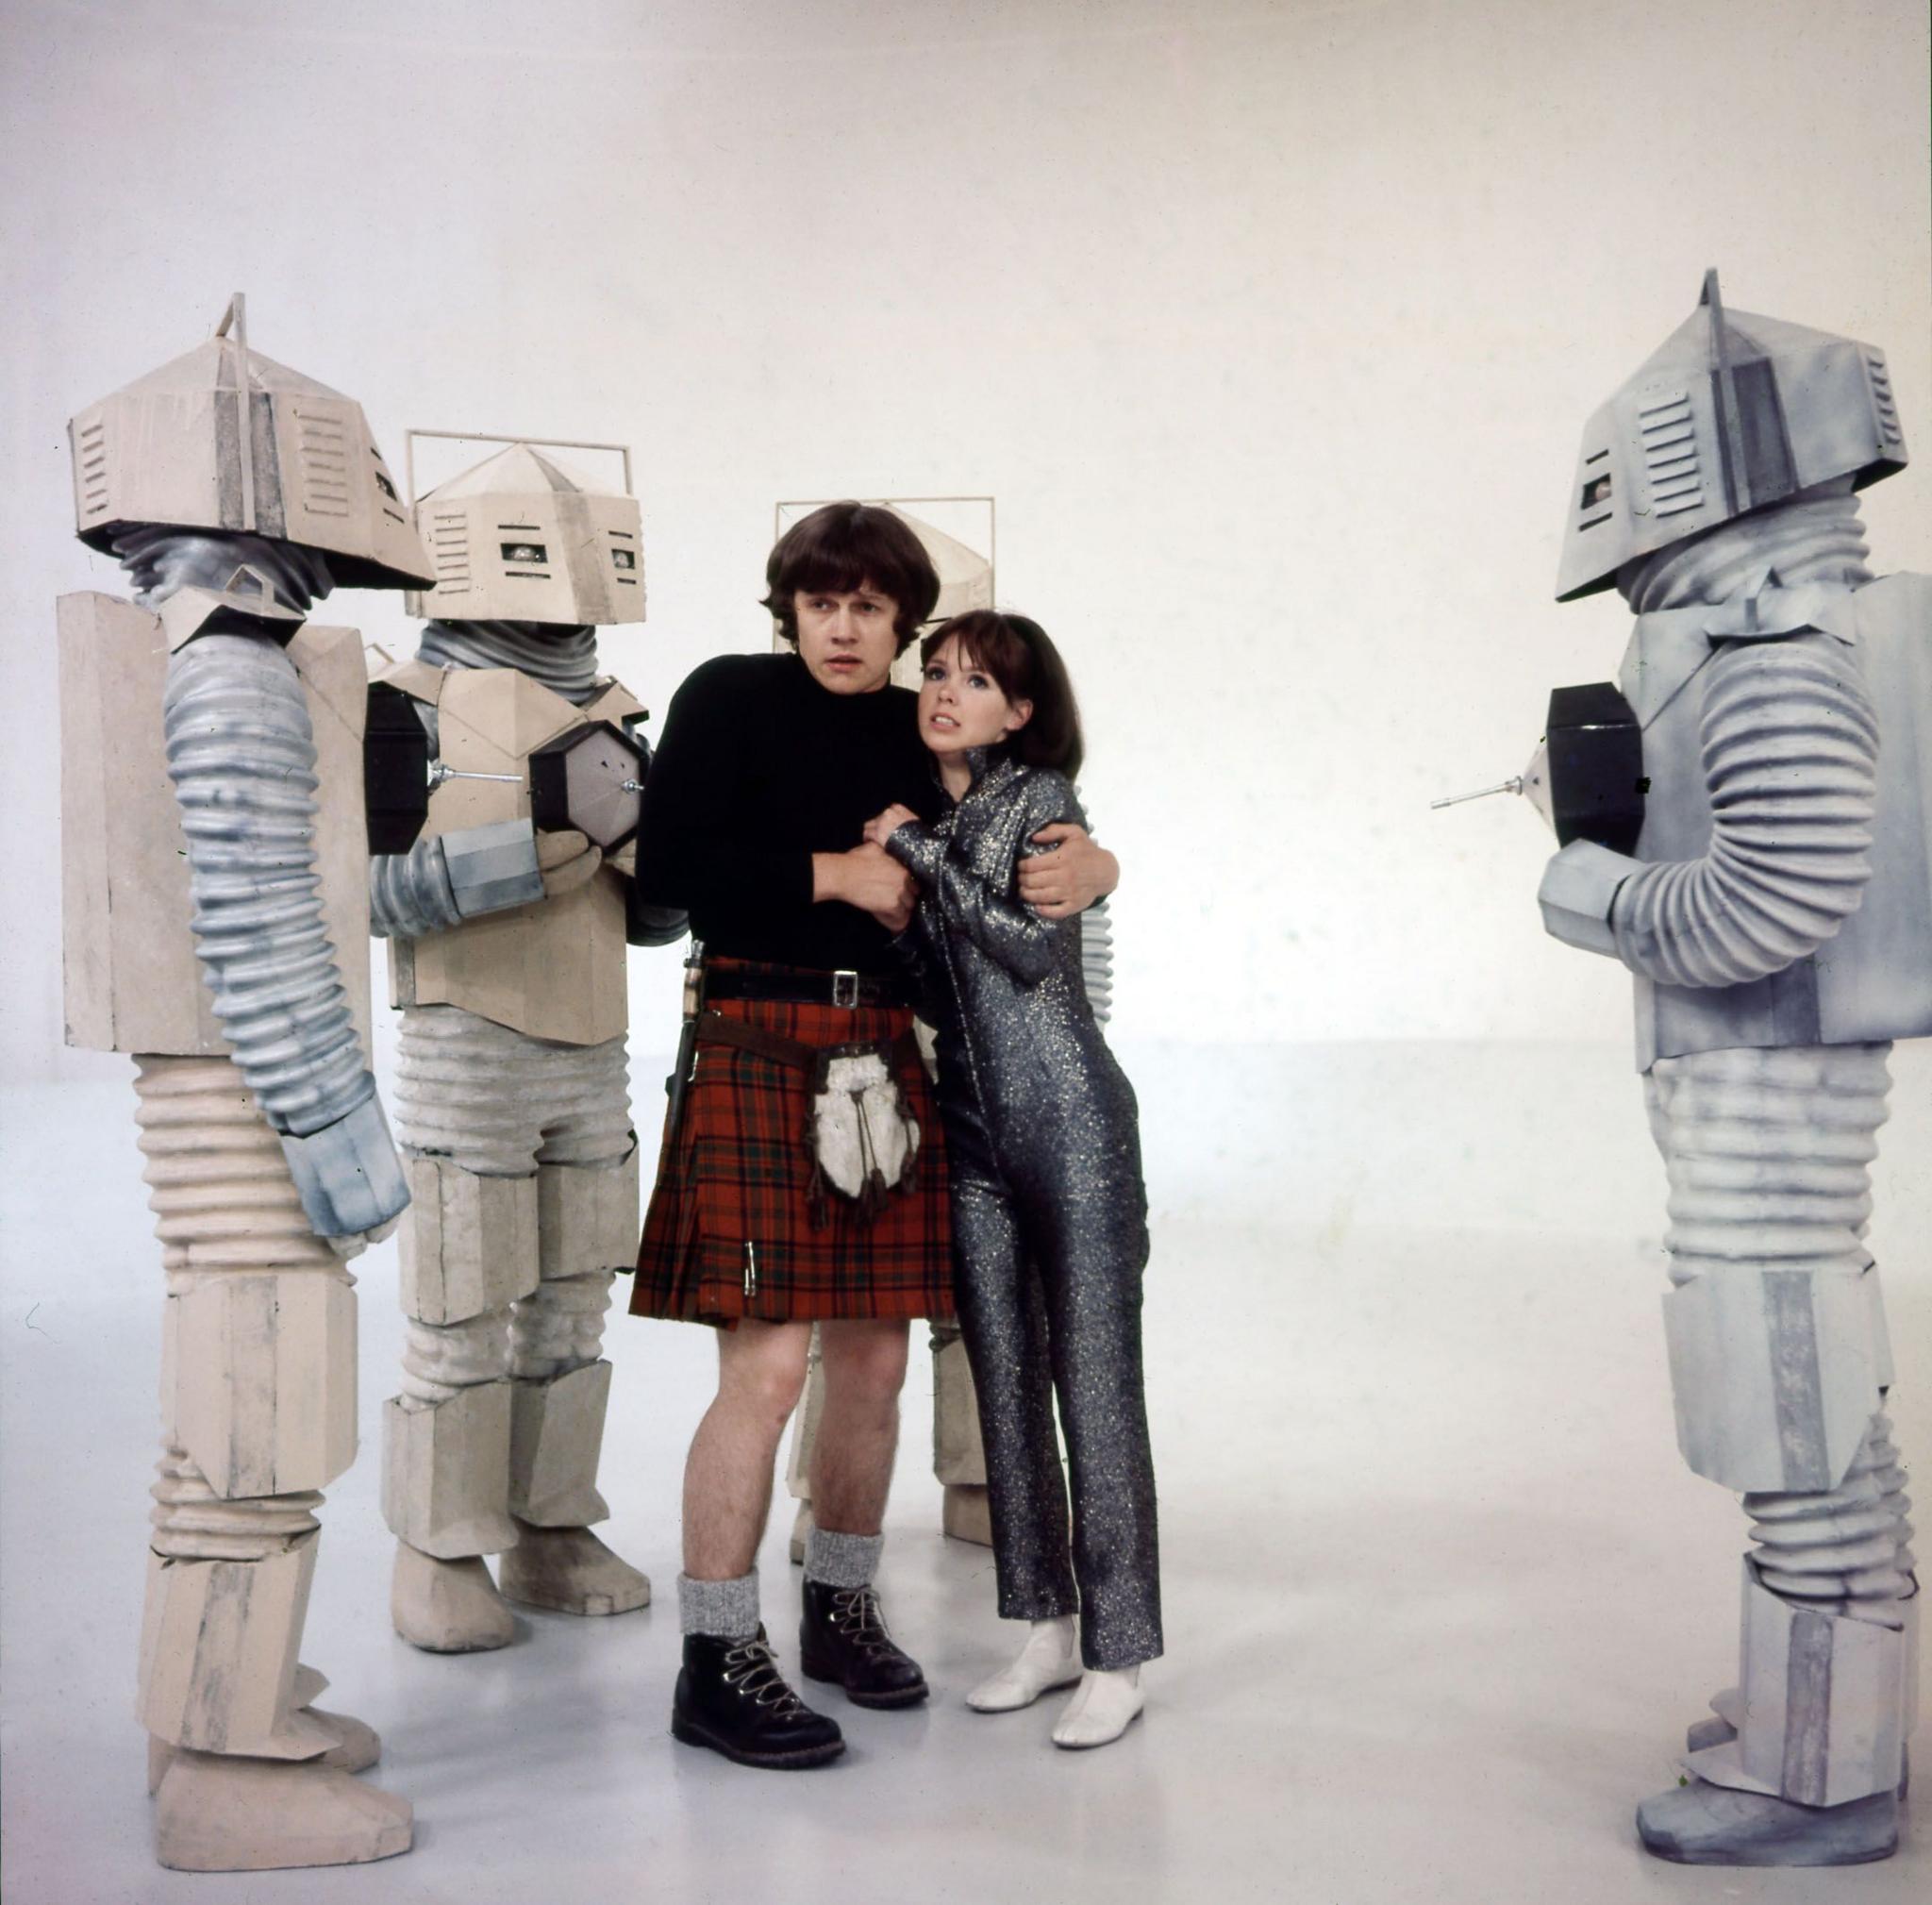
752 1669
857 1615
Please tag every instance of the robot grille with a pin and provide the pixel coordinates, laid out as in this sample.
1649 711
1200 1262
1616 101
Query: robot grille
321 456
1881 379
449 549
93 458
1669 434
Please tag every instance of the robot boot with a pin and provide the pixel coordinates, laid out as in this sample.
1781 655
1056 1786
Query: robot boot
1805 1762
467 1251
587 1215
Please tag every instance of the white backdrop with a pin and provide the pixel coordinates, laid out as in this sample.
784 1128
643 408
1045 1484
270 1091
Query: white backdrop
1272 327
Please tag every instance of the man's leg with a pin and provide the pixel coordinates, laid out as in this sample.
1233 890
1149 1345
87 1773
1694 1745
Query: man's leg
727 1475
730 1695
858 1434
842 1636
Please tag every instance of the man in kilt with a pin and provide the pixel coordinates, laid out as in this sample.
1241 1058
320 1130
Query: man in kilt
769 768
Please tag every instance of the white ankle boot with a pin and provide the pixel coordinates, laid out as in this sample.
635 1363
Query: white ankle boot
1103 1704
1051 1657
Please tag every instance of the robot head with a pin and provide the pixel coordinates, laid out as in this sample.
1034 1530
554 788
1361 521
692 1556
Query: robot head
169 450
1733 413
519 537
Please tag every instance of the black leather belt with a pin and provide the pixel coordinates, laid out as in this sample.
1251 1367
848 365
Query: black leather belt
805 986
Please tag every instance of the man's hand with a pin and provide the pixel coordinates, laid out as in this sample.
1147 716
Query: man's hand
1068 880
868 878
566 859
882 826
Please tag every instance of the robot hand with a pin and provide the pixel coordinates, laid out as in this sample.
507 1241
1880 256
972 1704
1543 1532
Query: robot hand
349 1176
566 859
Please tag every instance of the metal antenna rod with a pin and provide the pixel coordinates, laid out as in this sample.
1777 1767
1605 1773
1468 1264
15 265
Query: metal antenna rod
1513 785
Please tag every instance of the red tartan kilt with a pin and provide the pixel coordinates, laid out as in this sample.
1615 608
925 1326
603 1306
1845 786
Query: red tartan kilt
739 1172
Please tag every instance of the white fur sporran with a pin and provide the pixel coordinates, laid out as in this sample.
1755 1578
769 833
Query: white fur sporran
865 1136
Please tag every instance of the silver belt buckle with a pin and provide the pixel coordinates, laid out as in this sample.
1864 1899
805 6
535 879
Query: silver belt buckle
845 990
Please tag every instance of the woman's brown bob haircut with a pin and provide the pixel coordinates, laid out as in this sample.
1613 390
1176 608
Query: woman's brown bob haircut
846 546
1016 652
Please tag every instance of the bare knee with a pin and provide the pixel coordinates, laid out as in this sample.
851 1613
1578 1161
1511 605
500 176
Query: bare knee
865 1364
761 1376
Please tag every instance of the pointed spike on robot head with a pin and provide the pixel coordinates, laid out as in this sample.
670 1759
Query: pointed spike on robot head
1734 412
524 536
223 439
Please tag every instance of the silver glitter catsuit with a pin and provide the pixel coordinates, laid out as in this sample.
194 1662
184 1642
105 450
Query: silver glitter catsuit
1049 1219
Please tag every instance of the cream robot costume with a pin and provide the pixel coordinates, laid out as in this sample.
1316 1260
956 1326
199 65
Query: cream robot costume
508 931
236 492
1777 914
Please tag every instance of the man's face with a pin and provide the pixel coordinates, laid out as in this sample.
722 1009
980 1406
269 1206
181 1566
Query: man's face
848 641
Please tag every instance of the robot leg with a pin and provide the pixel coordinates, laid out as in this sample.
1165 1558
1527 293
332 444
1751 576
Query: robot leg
805 1436
469 1250
587 1227
1779 1365
259 1393
959 1455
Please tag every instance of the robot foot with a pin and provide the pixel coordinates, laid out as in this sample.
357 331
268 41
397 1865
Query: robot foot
967 1514
357 1747
570 1571
219 1813
1700 1824
1719 1731
447 1607
801 1533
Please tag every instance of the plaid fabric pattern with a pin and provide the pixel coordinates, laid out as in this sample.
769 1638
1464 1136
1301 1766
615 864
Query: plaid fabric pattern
729 1231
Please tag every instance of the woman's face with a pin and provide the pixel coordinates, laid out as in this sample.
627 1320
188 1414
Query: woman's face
848 641
960 706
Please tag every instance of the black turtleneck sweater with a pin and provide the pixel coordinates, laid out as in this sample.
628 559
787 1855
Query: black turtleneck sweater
759 768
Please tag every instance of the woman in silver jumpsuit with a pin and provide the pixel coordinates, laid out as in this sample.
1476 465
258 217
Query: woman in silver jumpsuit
1049 1214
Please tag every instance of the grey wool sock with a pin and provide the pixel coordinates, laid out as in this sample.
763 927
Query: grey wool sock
841 1561
727 1609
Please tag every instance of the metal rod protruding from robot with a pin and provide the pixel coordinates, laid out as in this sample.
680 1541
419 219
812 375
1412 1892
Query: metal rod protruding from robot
1513 785
439 773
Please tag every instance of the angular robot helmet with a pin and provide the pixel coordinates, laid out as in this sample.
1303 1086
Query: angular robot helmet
168 449
1732 413
519 537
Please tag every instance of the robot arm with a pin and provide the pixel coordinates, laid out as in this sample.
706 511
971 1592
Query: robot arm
243 761
1789 747
410 893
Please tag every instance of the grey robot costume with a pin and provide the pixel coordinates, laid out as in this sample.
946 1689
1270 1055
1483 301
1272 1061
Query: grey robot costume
1049 1217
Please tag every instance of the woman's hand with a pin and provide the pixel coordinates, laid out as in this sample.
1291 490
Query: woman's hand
882 826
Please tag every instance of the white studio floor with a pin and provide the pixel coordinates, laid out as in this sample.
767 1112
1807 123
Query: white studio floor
1439 1591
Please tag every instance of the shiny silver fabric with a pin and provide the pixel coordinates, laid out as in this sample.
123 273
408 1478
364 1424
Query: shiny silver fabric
1049 1221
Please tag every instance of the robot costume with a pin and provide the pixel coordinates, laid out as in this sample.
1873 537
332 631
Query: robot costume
1778 913
234 492
1050 1219
513 1100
